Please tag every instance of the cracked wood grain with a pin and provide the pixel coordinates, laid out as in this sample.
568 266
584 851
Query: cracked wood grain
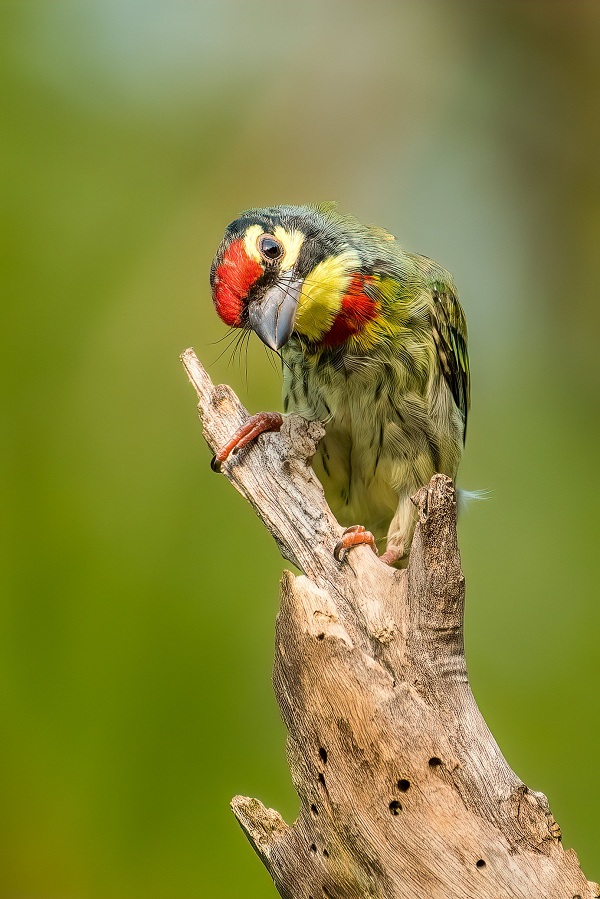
404 792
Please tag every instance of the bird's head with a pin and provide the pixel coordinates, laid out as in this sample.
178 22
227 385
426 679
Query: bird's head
303 270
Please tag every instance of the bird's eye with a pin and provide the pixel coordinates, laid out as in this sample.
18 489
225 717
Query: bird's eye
270 248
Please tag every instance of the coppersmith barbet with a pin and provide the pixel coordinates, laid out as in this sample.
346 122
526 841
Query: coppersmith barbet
374 344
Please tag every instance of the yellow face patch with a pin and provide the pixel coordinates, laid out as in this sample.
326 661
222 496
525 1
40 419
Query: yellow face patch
250 242
322 294
290 240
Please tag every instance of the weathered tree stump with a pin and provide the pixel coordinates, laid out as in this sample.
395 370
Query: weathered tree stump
404 791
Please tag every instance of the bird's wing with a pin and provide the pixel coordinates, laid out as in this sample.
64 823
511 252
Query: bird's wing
450 335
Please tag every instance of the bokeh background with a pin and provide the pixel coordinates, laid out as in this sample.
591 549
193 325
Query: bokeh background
138 590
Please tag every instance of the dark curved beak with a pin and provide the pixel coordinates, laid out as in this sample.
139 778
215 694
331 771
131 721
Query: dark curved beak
272 317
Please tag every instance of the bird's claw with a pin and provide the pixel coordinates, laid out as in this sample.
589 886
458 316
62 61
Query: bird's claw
249 431
357 535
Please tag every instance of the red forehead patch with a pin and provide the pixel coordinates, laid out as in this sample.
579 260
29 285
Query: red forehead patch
234 277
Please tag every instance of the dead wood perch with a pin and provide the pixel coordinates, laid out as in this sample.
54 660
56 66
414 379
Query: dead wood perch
404 791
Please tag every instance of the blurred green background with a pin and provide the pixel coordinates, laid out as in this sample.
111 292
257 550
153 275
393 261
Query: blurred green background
138 590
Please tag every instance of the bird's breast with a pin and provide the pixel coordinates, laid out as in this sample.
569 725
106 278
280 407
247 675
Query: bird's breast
387 432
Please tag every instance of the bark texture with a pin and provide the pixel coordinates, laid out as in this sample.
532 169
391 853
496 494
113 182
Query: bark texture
404 791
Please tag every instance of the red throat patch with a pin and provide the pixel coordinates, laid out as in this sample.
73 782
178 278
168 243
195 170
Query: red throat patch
357 309
234 277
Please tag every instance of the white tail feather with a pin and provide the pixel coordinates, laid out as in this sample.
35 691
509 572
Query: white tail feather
466 497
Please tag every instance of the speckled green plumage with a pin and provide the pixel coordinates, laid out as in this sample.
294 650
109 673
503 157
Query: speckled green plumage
395 412
394 392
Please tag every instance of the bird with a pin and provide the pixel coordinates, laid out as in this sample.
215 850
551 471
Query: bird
373 343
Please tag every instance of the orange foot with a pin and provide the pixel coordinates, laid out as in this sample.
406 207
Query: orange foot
354 536
256 425
392 554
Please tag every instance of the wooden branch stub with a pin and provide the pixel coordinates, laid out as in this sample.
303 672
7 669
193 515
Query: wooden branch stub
404 793
264 827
